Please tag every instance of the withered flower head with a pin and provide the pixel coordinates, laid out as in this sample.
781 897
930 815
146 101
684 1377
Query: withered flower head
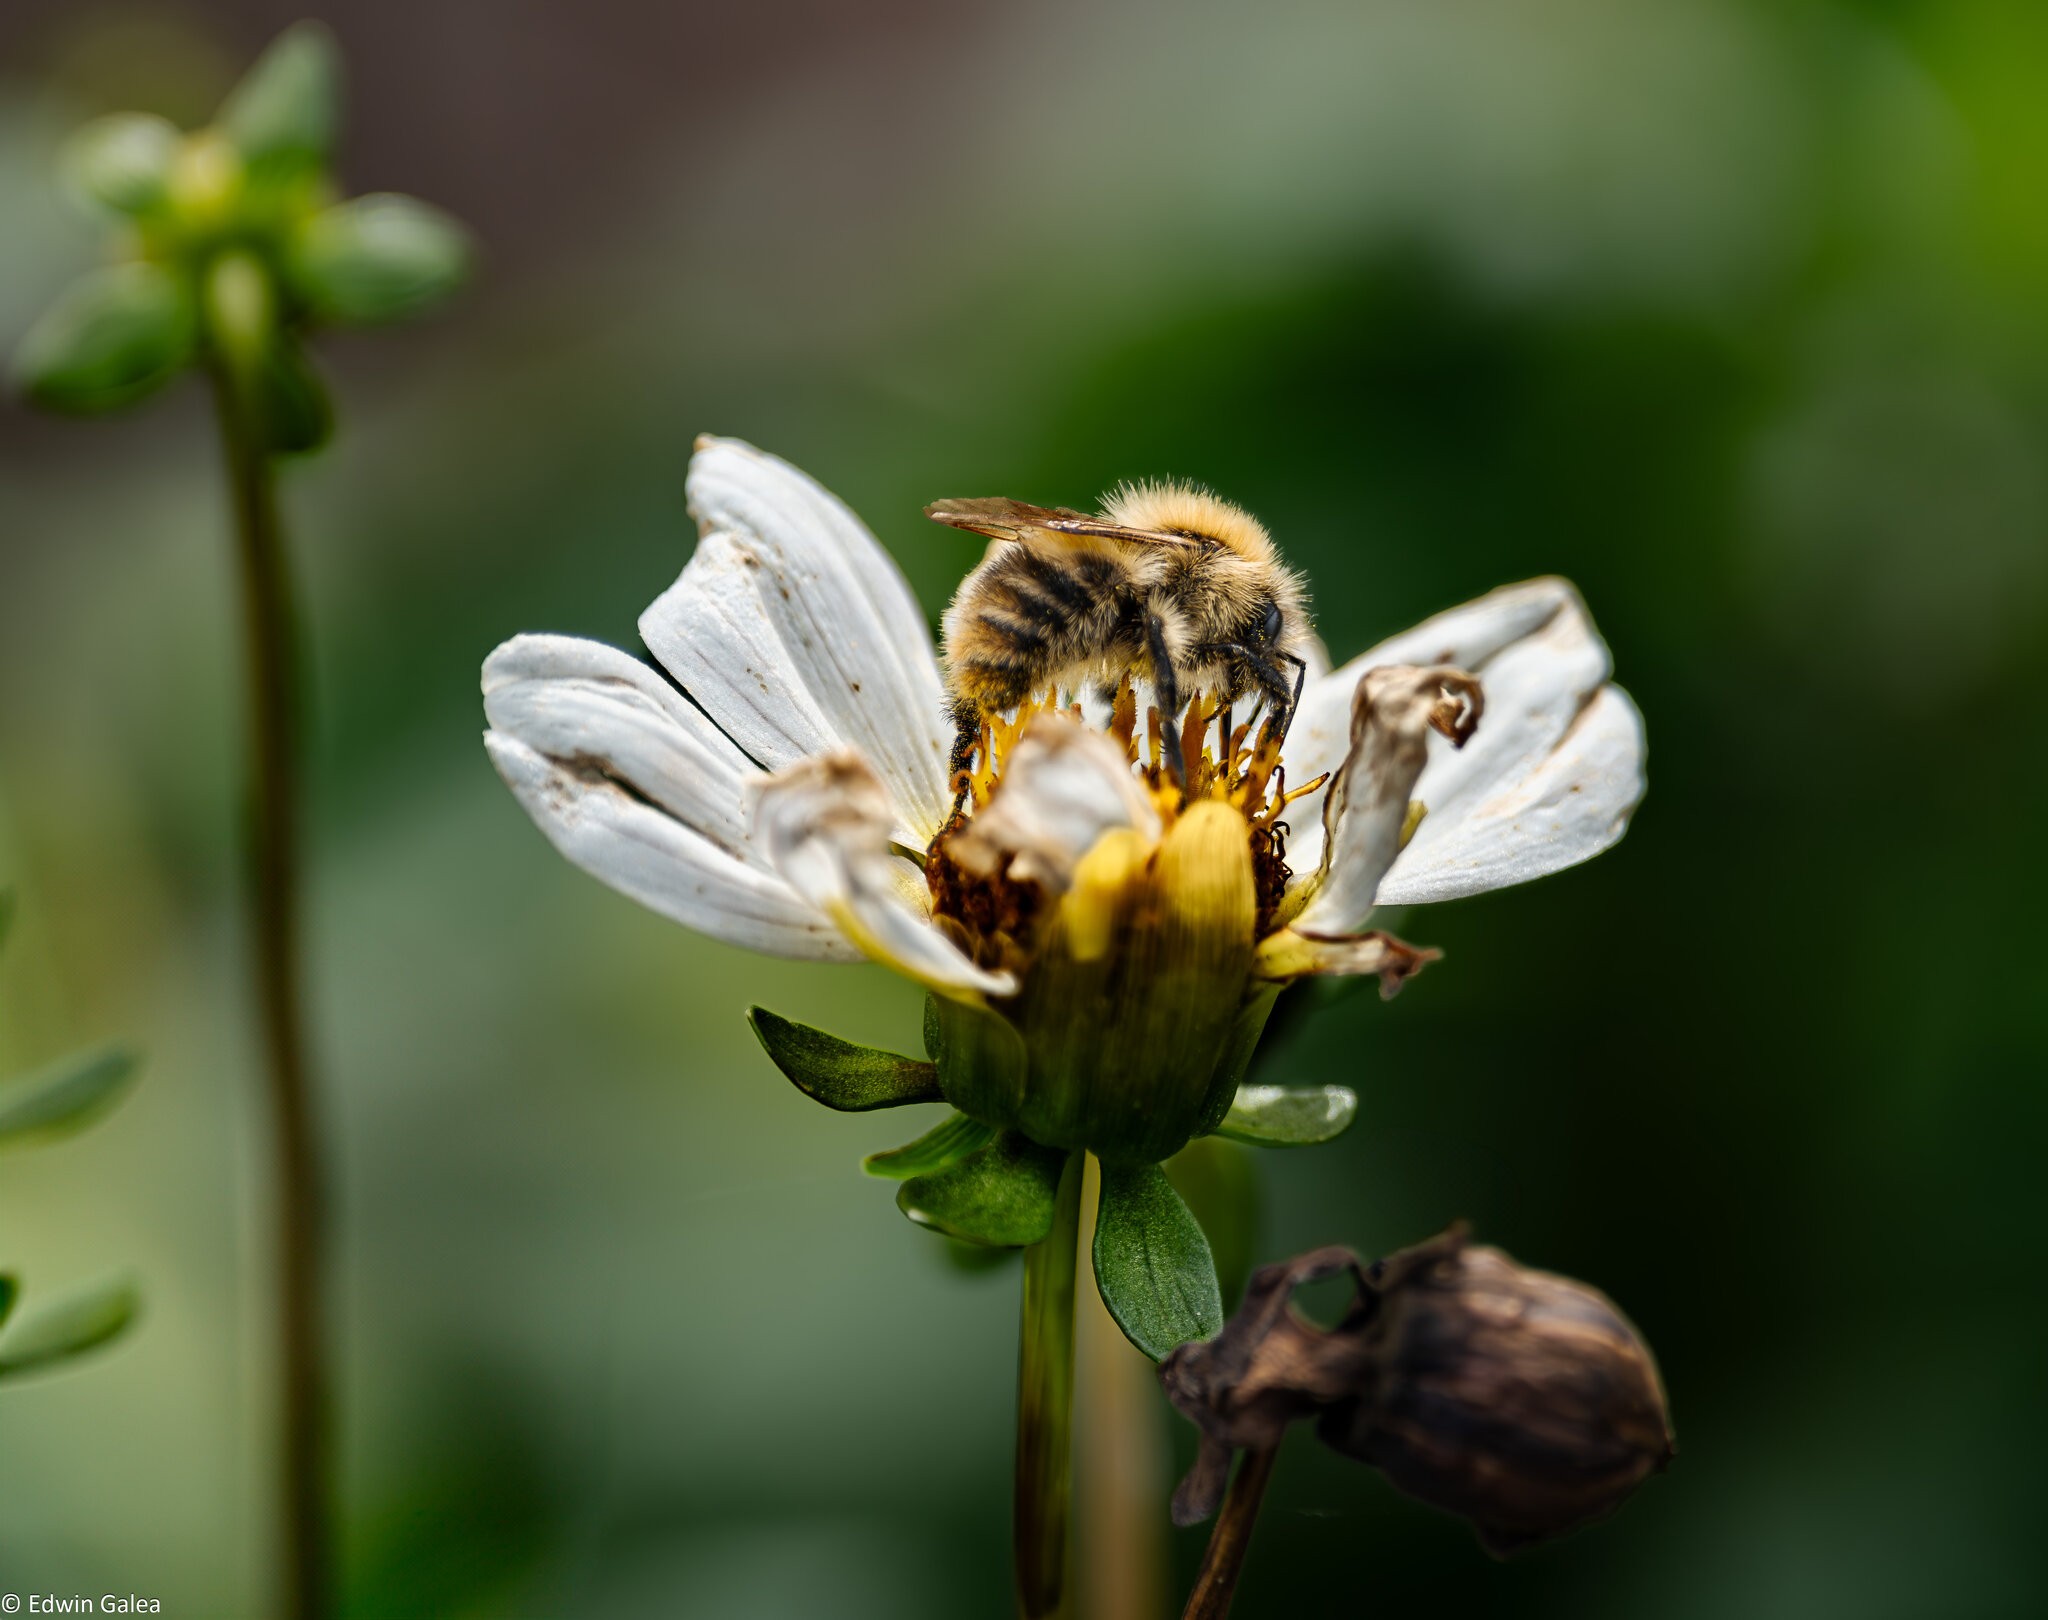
1522 1401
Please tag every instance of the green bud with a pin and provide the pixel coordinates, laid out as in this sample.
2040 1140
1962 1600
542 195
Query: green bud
123 161
377 258
114 336
283 115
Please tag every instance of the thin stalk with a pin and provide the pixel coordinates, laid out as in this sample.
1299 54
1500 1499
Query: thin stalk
1045 1410
239 306
1216 1585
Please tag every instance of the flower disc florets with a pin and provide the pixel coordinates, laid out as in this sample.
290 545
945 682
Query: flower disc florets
1128 910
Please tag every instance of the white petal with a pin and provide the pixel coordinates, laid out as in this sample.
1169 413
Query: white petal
653 858
825 825
1063 786
1536 652
1366 805
797 633
581 701
1563 808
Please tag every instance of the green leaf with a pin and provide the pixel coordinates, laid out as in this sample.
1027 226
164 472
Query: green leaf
114 336
838 1073
64 1096
297 414
1001 1196
283 115
10 1290
378 258
6 913
1220 1182
122 161
940 1146
1152 1262
68 1326
1289 1116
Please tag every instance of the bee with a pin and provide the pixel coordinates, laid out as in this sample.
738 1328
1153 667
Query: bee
1168 582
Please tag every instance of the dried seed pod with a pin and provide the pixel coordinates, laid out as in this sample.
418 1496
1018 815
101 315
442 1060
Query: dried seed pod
1522 1401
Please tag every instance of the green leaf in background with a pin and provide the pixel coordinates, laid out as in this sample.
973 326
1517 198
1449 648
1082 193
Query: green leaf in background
1289 1116
1152 1262
9 1291
943 1144
68 1326
1219 1181
377 258
114 336
123 161
283 115
297 414
1001 1196
6 913
65 1095
839 1074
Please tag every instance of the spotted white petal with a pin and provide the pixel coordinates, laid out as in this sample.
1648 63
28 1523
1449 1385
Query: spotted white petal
609 828
1063 787
1549 780
825 825
796 632
1365 809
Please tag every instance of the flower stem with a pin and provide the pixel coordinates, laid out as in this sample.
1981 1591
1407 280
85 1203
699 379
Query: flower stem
240 312
1045 1404
1216 1585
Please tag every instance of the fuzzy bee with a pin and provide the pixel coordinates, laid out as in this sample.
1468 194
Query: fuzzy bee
1169 583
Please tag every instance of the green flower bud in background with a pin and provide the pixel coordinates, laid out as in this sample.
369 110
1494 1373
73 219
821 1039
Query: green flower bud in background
123 162
247 203
114 336
376 258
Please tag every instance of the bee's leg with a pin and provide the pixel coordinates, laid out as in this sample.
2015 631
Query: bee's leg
1224 727
1166 688
966 738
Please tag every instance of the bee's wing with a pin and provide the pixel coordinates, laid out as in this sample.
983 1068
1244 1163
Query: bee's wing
1005 519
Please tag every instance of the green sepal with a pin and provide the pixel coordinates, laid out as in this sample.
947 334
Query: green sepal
73 1323
377 258
1001 1195
64 1096
297 416
839 1074
944 1144
283 114
122 161
114 336
1219 1181
1152 1262
1289 1116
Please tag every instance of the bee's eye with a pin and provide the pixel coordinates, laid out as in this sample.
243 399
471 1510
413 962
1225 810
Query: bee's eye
1271 628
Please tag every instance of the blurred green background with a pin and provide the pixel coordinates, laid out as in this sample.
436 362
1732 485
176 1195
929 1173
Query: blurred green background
1735 313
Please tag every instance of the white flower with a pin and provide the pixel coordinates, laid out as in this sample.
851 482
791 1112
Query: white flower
787 796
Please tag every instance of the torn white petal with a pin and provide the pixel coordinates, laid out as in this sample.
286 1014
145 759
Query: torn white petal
1365 807
1063 786
1565 807
1542 662
591 706
797 633
825 825
648 855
